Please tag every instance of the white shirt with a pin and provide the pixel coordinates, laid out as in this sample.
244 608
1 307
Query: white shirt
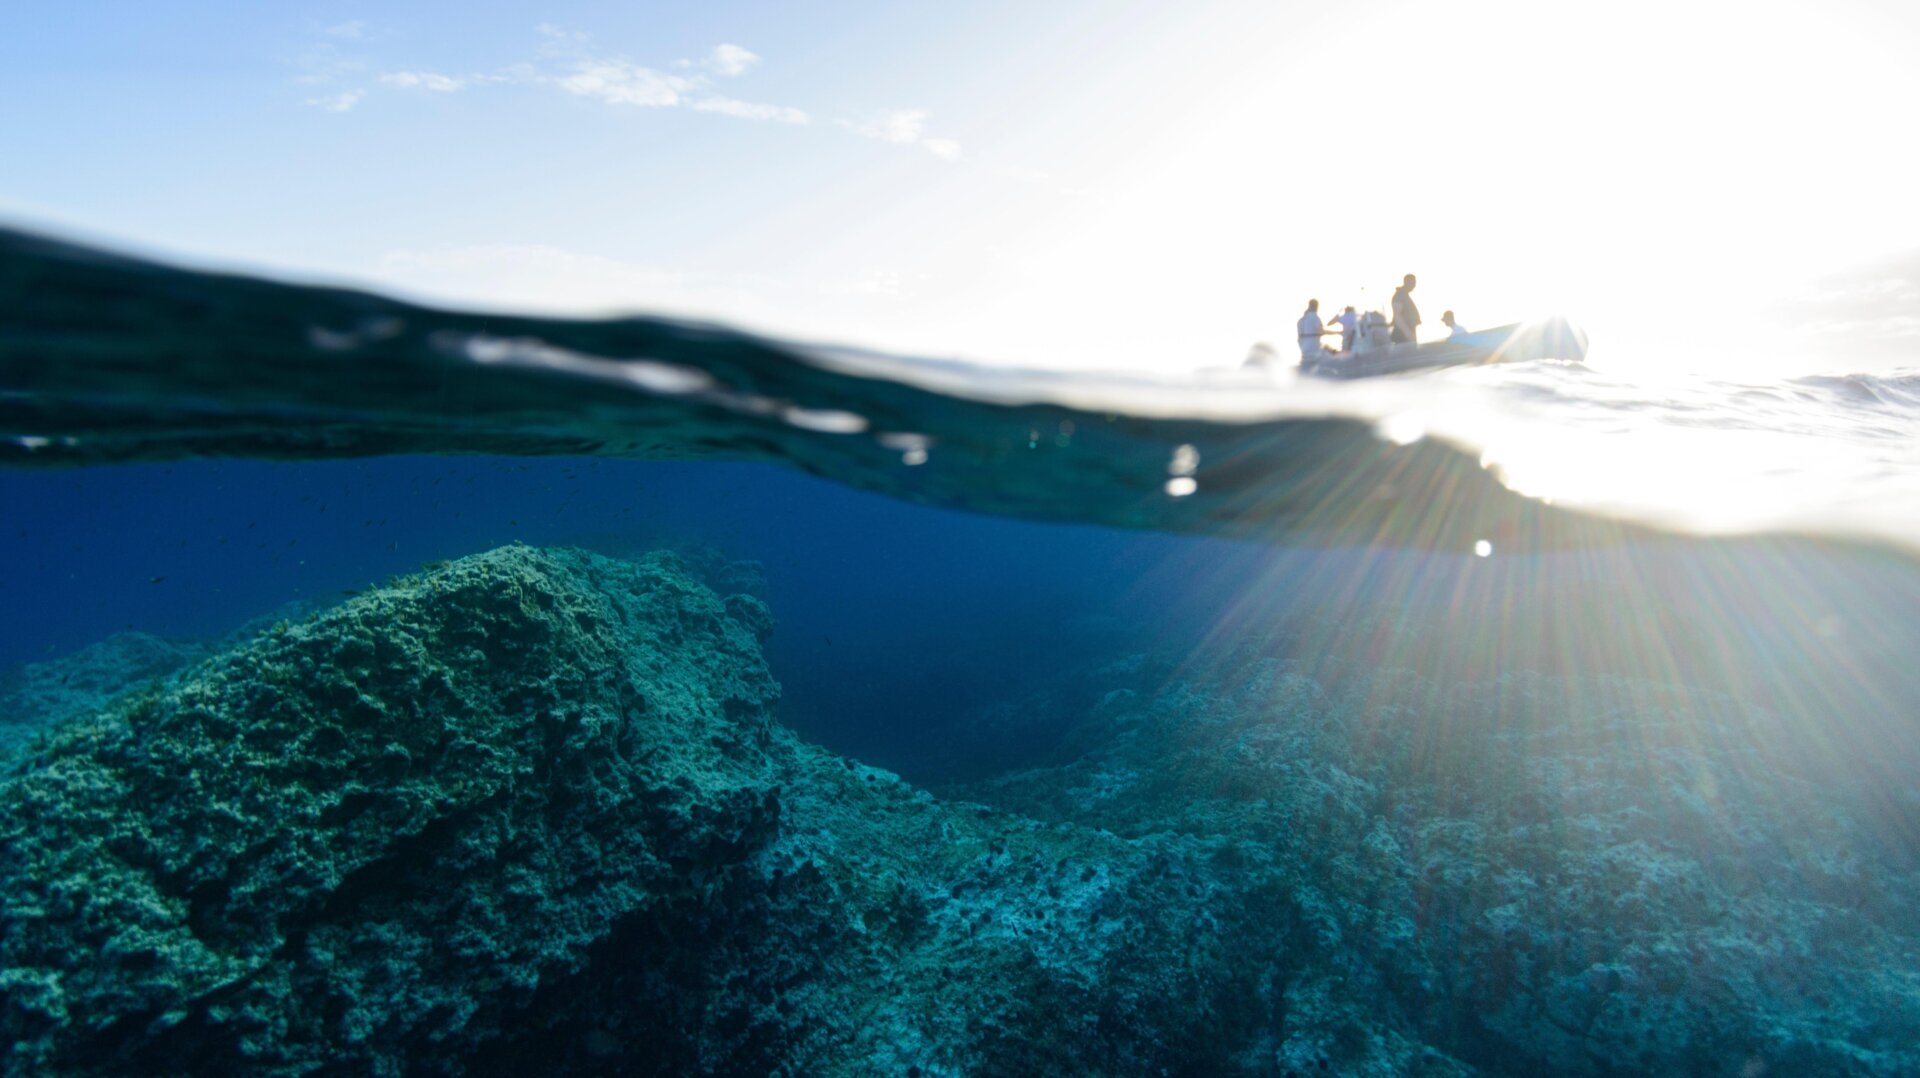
1458 330
1310 334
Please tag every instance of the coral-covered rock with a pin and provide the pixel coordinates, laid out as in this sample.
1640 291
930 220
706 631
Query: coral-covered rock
373 835
38 695
531 813
1534 874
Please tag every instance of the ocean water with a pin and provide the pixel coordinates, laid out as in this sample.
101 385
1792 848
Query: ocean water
396 690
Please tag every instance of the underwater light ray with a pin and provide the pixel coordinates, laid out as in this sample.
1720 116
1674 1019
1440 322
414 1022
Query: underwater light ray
1805 673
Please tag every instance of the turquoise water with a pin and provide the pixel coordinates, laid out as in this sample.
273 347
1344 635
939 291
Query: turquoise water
394 690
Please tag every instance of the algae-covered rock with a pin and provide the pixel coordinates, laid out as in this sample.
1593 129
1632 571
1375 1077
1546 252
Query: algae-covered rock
38 695
1535 874
530 813
372 835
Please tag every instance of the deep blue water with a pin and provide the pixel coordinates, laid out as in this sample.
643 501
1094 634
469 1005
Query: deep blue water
898 621
872 595
885 609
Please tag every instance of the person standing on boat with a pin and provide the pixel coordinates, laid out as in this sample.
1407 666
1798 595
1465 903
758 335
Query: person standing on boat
1454 329
1406 317
1349 324
1310 332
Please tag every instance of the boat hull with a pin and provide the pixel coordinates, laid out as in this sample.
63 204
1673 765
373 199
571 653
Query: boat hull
1551 338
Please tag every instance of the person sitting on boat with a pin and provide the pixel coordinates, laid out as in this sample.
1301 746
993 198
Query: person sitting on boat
1454 329
1349 324
1310 333
1406 316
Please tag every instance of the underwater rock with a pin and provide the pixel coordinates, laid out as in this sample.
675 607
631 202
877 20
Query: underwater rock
1534 874
366 836
38 695
530 813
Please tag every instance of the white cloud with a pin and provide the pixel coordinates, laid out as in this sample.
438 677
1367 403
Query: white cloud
620 83
900 126
905 127
565 60
747 110
730 60
323 62
351 30
556 41
424 80
341 102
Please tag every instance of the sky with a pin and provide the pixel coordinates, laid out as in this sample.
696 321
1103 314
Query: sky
1720 187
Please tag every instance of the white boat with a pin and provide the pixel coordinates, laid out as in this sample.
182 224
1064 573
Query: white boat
1549 338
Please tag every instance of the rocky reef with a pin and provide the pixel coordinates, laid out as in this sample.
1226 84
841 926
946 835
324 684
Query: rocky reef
1533 874
532 812
38 695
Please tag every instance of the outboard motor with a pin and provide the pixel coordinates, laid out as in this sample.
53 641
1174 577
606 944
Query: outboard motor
1373 335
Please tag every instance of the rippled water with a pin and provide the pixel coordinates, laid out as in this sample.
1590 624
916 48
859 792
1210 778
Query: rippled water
112 360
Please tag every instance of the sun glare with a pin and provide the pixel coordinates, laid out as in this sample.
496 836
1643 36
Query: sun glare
1712 480
1669 176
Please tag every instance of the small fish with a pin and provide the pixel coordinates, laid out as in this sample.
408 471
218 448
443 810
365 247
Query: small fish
156 580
